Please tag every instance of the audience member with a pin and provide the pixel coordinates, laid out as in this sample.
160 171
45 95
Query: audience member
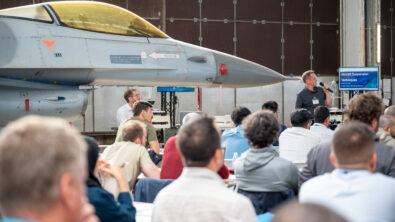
352 189
143 113
131 153
41 172
365 108
386 131
233 140
259 169
125 112
199 193
390 111
172 164
273 106
107 208
321 122
297 141
305 212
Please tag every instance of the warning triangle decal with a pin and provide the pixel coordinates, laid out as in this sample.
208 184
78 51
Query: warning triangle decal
49 43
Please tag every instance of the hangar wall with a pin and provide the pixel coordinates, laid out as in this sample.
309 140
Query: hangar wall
289 36
104 101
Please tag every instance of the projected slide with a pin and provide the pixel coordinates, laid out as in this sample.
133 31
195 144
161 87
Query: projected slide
360 78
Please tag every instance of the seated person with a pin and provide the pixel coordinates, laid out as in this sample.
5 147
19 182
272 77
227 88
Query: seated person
42 160
365 108
296 142
321 122
199 194
259 169
386 131
107 209
353 190
273 106
132 153
125 112
172 164
305 212
233 139
142 112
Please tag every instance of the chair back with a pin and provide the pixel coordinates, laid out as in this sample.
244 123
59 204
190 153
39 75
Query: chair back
147 188
265 201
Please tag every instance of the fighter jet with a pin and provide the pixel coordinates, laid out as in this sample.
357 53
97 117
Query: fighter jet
50 49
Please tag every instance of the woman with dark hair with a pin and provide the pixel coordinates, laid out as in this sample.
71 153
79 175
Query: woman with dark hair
107 208
259 169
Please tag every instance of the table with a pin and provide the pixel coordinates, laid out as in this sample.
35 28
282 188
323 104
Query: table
143 211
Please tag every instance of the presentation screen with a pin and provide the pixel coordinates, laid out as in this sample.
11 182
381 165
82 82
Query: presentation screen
359 78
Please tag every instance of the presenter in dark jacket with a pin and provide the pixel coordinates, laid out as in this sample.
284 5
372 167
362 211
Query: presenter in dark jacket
107 208
312 96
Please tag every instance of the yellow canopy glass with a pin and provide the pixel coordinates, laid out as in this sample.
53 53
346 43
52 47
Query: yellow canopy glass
102 17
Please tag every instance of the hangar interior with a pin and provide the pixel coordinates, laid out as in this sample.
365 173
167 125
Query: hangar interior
287 36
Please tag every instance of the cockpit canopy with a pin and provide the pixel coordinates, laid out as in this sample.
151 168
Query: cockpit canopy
87 15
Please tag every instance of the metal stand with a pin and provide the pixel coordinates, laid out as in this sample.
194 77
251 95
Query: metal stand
168 104
353 93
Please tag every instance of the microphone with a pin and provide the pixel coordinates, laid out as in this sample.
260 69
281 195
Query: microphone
322 84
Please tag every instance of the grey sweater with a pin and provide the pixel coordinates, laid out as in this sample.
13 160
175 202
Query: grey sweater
260 170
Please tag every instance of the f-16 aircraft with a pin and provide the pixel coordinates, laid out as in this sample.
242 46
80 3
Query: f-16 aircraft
48 50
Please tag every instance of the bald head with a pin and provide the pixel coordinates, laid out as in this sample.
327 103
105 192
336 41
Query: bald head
390 111
134 130
188 117
305 212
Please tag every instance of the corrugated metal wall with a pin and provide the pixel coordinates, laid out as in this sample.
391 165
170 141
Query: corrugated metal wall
387 38
289 36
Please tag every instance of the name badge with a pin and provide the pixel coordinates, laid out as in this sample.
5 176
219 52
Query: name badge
316 101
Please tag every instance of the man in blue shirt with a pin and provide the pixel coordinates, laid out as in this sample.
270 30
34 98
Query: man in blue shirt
353 189
321 122
233 140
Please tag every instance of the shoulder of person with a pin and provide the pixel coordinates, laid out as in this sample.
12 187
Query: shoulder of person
382 147
304 90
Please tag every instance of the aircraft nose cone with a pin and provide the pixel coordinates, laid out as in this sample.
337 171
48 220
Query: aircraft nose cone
233 71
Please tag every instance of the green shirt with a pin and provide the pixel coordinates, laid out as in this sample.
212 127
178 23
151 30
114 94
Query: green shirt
151 132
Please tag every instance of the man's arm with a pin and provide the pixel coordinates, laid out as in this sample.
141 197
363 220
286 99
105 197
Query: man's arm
391 172
154 145
150 170
308 170
328 98
298 103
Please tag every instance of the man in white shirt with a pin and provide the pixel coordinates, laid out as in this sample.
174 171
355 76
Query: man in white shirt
296 142
125 112
321 122
199 194
352 189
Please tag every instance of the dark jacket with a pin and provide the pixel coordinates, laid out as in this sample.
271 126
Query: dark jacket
107 209
318 161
